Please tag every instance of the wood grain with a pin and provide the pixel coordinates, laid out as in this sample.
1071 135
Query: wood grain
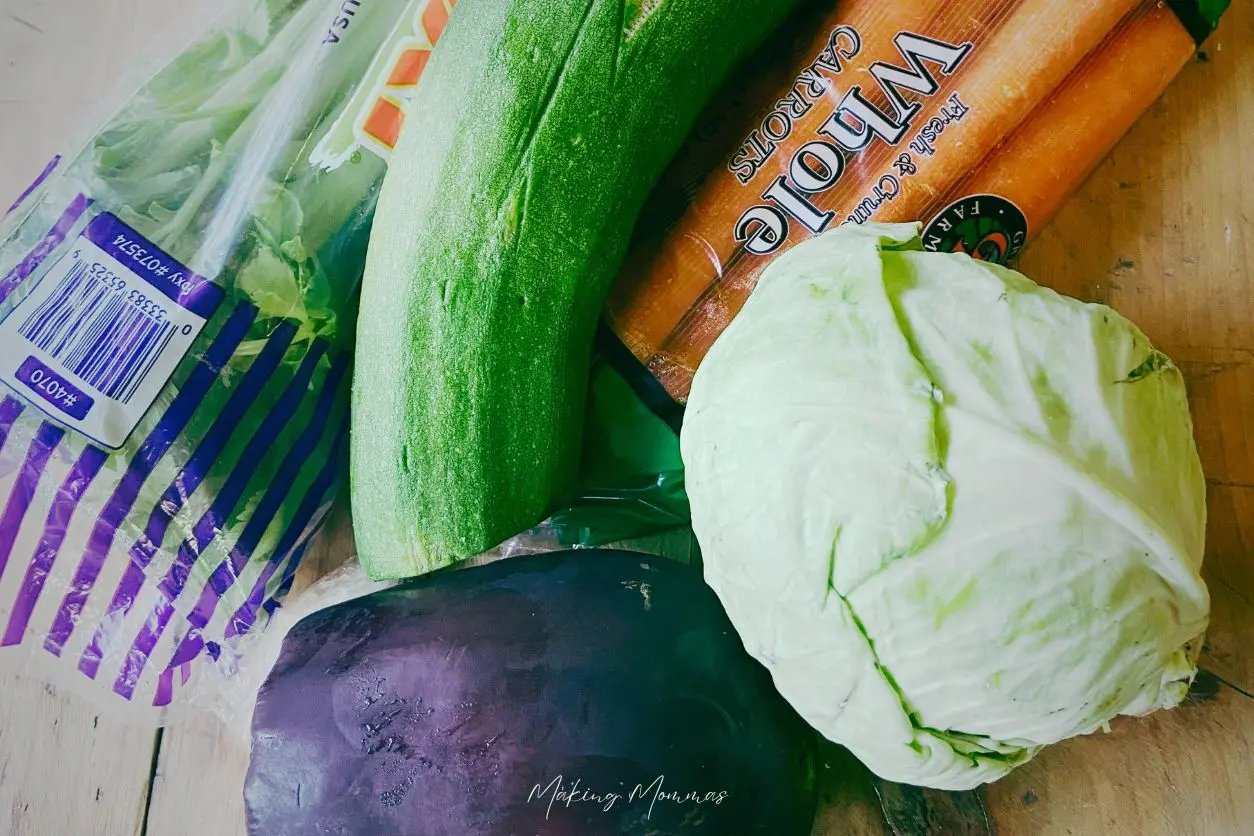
1184 772
1163 231
64 769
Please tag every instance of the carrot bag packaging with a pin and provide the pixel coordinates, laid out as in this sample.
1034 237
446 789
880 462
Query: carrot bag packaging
176 314
977 118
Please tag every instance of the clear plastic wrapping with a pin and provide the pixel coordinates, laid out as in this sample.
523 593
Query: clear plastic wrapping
176 314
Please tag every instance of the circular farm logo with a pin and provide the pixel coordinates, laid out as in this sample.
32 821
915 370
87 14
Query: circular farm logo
983 226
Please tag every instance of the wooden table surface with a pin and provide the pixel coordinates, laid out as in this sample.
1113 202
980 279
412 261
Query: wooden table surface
1164 232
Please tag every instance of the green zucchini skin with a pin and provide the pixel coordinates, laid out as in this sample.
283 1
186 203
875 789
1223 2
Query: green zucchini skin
535 136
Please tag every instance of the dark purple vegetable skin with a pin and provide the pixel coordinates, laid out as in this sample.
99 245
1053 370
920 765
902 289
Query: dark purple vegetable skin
448 707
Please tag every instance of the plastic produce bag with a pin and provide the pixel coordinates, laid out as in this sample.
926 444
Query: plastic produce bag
977 118
631 477
176 309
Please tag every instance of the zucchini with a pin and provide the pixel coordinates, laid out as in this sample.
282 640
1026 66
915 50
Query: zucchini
540 127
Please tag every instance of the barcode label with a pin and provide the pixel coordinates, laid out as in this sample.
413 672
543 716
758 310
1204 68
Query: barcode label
97 334
102 332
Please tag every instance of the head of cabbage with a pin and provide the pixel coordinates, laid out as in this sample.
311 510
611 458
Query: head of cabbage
957 515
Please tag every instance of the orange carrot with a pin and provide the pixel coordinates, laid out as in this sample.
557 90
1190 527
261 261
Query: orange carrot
1056 149
1040 49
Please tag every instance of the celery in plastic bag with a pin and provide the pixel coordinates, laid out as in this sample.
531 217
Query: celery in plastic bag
176 302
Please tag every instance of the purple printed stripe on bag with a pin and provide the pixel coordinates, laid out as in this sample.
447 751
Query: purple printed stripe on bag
155 446
225 575
188 479
165 685
313 503
285 585
49 546
54 238
39 181
10 410
165 689
41 447
235 484
204 533
185 484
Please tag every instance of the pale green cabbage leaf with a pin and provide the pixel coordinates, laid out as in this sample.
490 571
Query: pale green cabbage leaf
958 516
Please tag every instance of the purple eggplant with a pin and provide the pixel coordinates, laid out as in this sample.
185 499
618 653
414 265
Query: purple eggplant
585 693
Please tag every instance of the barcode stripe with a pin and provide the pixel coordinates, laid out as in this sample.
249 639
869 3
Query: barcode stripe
91 336
155 349
141 372
97 334
41 314
100 349
80 347
117 352
54 318
66 340
95 355
72 296
83 301
142 342
95 326
63 289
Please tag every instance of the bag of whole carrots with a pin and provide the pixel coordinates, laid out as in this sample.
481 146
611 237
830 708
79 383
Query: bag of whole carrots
977 118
